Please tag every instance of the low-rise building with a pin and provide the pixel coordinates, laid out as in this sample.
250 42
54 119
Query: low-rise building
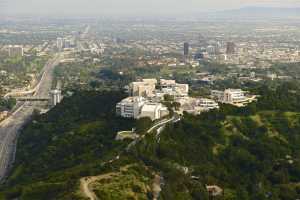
182 89
196 106
130 107
147 88
205 104
154 111
144 88
166 83
152 81
138 107
217 94
235 97
172 88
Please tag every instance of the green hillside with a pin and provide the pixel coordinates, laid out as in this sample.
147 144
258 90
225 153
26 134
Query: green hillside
69 142
251 153
249 159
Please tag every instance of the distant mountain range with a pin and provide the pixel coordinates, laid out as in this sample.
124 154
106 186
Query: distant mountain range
258 13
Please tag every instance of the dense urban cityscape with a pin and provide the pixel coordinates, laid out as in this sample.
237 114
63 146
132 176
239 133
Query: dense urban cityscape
162 108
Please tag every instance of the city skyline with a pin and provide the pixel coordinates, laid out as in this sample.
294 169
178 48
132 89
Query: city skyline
131 7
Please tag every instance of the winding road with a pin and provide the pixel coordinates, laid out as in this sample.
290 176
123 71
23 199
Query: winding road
85 182
10 127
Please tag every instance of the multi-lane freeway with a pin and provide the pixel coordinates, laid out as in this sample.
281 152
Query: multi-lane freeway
10 128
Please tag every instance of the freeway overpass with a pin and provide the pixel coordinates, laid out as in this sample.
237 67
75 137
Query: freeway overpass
10 127
33 99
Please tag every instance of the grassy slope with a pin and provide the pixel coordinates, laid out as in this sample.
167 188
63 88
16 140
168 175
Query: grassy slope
69 142
129 183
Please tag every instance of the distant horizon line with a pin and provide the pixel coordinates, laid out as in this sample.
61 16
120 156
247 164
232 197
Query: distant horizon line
135 15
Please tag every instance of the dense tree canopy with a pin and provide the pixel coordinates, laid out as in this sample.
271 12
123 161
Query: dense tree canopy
251 153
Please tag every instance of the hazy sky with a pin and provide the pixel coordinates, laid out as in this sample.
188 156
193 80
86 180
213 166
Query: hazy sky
131 7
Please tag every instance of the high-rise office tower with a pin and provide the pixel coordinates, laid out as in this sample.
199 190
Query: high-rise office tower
60 43
230 49
186 47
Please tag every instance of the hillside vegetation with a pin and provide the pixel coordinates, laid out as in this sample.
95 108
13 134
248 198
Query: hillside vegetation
252 153
69 142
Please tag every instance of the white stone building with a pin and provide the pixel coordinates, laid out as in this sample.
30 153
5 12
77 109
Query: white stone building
144 88
154 111
235 97
172 88
130 107
205 104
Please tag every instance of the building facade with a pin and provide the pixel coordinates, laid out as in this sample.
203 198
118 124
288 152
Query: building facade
186 49
154 111
234 96
207 104
172 88
144 88
55 97
60 43
15 51
230 48
130 107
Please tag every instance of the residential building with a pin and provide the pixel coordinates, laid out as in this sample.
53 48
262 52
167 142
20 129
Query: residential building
15 51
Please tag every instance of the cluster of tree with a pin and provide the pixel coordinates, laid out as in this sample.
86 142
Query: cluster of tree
70 141
75 75
251 153
288 69
7 104
214 68
17 70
